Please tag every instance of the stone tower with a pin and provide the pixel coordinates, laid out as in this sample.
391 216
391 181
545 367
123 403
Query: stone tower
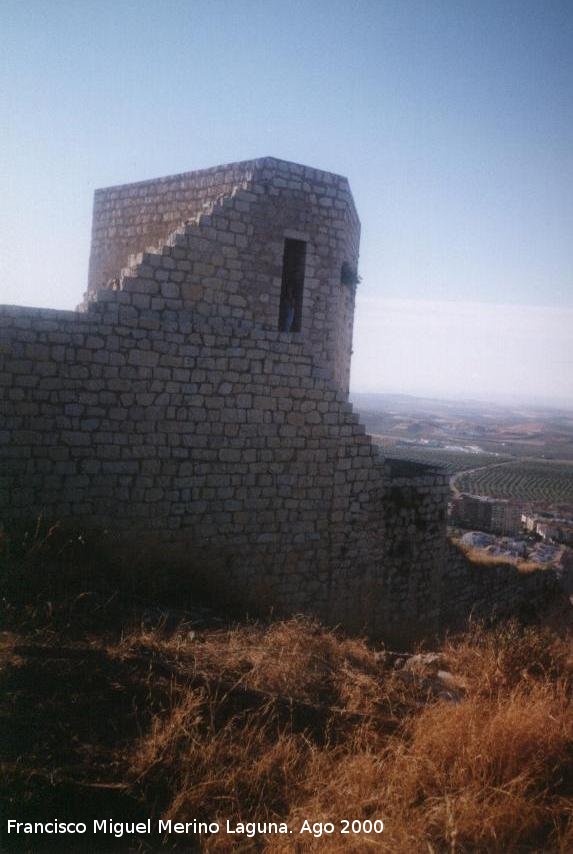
196 407
255 235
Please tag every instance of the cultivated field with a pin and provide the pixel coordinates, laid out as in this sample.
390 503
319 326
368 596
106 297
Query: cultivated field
526 480
451 461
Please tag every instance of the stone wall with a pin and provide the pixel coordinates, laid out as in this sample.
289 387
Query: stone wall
173 413
229 450
231 454
427 576
486 590
415 498
195 434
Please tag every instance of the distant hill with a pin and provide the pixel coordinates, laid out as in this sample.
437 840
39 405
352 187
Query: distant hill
538 433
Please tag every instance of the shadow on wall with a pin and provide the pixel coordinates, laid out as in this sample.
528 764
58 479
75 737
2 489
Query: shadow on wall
493 590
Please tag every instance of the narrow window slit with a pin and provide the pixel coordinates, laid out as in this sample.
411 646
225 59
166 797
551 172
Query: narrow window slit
290 310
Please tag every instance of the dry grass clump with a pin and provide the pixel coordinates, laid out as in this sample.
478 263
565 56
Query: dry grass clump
485 776
509 655
491 768
296 658
242 767
483 558
293 722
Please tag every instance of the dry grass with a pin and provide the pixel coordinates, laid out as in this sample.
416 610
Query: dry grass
483 558
281 722
296 658
490 772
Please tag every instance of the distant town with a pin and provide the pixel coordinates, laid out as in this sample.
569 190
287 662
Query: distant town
503 529
511 471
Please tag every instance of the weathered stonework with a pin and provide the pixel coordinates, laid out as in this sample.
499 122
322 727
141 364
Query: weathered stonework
219 238
499 590
171 408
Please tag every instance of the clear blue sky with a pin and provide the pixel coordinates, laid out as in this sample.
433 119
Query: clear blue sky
452 120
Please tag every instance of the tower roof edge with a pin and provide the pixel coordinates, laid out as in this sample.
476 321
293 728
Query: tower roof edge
247 167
